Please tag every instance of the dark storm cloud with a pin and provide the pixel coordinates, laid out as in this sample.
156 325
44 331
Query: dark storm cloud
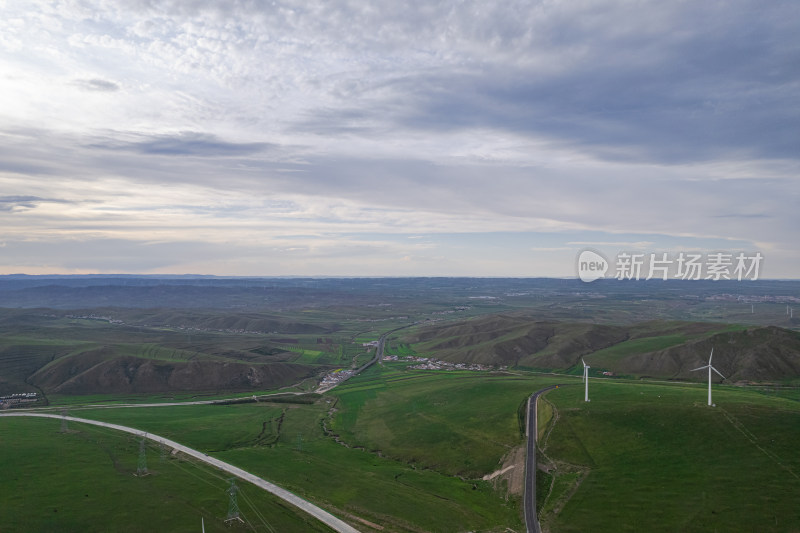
185 143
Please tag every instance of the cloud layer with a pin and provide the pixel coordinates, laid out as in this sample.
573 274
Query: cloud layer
317 137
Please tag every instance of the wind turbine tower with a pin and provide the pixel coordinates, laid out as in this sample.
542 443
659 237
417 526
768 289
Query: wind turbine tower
710 368
585 380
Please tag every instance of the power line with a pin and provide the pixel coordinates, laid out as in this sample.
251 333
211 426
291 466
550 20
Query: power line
233 505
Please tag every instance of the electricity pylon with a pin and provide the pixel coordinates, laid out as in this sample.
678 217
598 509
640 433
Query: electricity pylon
233 506
141 468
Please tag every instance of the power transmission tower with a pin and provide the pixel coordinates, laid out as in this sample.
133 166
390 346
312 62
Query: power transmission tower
64 428
141 468
233 506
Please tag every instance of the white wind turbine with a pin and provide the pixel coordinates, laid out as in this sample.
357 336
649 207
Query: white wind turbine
710 368
585 380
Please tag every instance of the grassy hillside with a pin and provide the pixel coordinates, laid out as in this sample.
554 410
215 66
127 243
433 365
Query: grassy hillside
741 354
87 354
458 423
406 450
93 372
285 443
83 480
513 340
656 458
664 349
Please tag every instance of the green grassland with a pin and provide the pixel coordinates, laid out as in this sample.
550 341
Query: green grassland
346 480
414 445
83 480
657 458
654 336
40 352
458 423
406 449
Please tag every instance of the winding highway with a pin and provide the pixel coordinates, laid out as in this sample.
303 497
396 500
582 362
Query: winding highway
531 520
306 506
323 516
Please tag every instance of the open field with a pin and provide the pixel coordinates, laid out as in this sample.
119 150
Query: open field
459 423
284 443
418 442
83 480
657 458
408 450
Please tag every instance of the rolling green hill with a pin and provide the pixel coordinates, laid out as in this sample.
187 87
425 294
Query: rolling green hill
655 457
54 353
664 349
99 373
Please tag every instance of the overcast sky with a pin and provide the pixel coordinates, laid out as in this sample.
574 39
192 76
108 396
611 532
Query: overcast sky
249 137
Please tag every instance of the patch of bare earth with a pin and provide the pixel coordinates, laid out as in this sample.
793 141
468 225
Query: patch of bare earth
511 474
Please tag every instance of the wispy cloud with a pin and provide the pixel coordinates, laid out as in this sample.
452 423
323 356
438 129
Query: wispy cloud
639 245
243 122
183 143
17 203
97 85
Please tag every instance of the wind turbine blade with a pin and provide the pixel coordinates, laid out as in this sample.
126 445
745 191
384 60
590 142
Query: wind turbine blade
701 368
710 356
718 372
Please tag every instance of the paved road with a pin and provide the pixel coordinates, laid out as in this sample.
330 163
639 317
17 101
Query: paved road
218 401
322 515
379 349
378 356
531 519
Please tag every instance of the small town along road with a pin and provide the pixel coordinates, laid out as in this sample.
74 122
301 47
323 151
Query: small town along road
531 520
308 507
378 356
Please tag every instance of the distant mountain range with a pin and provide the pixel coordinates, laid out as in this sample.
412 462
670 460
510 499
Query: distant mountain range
132 291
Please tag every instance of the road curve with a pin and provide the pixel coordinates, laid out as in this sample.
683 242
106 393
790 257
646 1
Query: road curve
308 507
531 520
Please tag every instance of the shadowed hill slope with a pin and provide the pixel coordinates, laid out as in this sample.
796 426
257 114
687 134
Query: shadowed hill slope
94 355
754 354
664 349
515 341
97 374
